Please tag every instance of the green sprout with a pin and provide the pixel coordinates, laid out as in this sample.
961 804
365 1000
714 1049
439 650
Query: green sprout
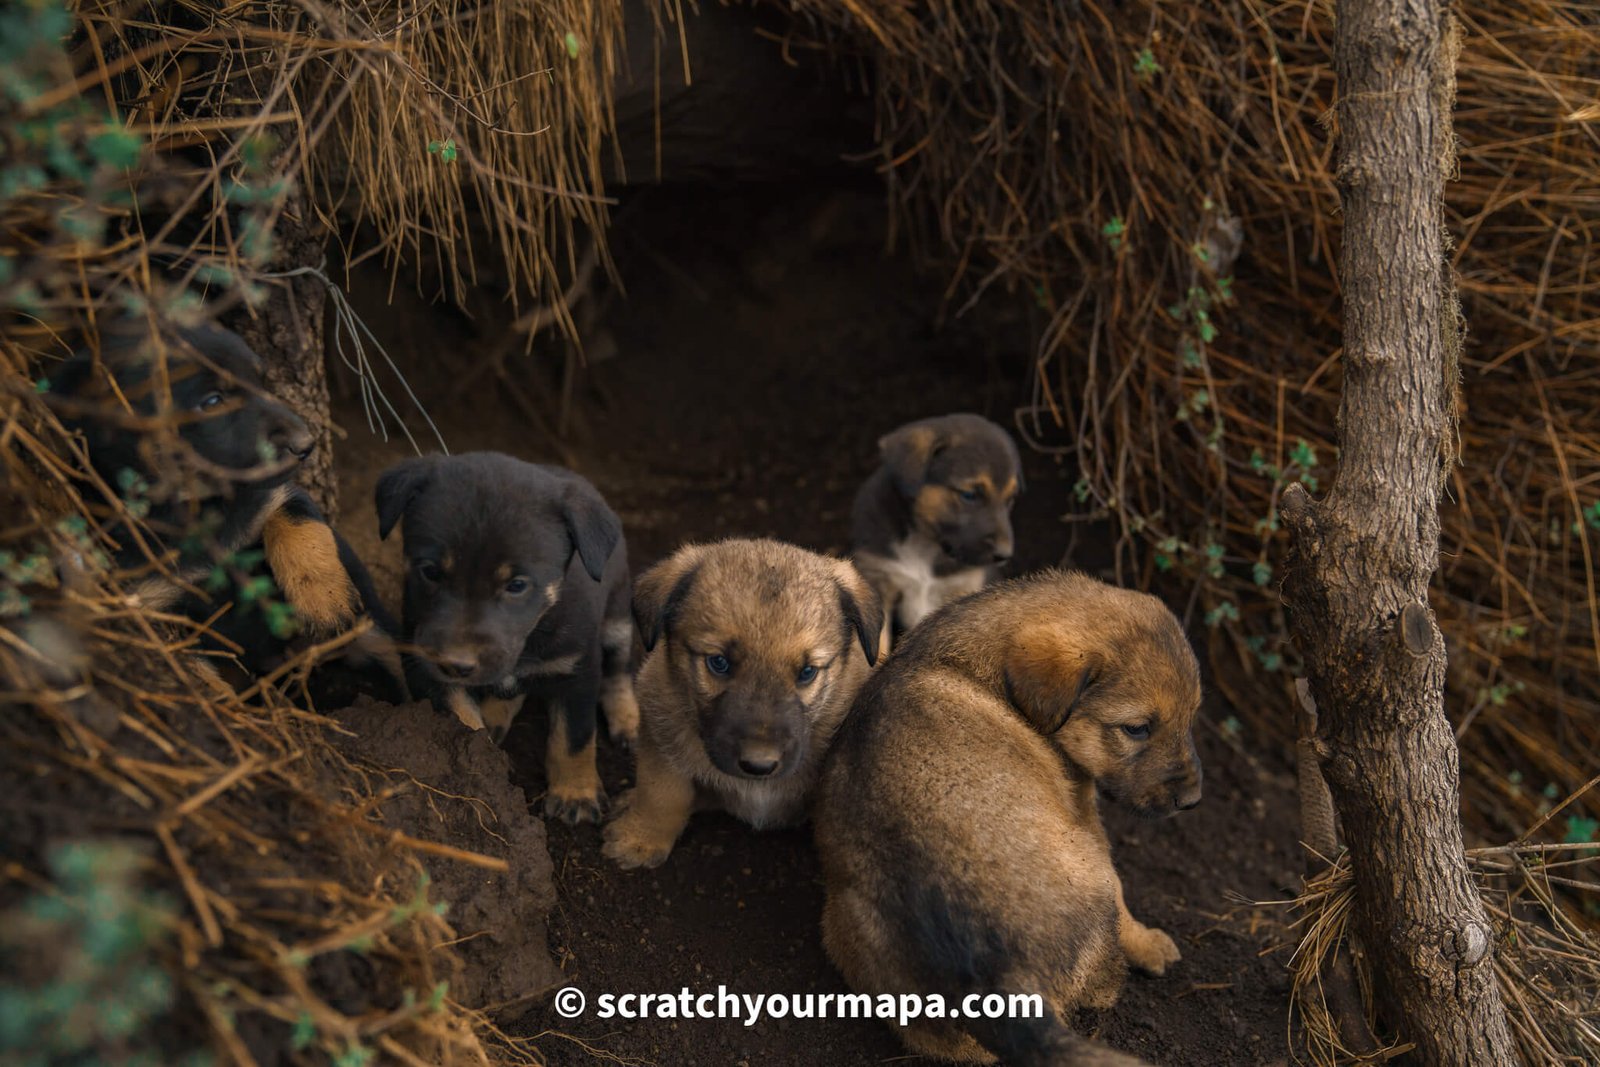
1113 232
1581 829
573 47
445 150
1225 611
1145 66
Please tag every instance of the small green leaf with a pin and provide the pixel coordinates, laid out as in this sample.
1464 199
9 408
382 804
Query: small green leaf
1145 65
305 1031
116 148
1261 572
1581 829
573 48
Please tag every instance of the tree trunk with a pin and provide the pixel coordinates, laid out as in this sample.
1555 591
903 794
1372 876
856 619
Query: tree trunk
287 332
1357 589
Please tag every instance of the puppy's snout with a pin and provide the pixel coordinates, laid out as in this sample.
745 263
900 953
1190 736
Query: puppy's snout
290 434
456 663
1000 546
760 761
1186 791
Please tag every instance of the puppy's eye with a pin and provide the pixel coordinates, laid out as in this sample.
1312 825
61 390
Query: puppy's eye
210 400
807 674
968 496
517 586
1139 732
427 570
718 664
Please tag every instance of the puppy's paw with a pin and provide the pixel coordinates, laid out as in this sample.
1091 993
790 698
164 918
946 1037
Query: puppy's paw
1149 949
574 805
621 710
633 842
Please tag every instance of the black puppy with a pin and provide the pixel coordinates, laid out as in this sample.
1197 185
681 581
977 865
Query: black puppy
933 522
198 450
516 586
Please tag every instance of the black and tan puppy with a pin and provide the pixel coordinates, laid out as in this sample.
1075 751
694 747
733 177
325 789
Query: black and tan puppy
956 815
517 586
183 429
756 649
933 522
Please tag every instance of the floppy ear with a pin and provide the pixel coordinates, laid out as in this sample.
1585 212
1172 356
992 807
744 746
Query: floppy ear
906 453
1016 464
1046 677
863 610
398 487
594 527
661 589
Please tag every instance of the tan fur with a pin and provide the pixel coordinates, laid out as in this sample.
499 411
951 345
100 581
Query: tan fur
304 559
574 791
968 775
776 608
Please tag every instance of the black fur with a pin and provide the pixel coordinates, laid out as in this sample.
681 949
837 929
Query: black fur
472 523
209 518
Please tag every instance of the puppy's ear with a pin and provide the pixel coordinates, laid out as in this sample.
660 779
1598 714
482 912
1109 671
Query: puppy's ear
660 590
398 487
863 609
1016 464
1047 676
906 453
594 527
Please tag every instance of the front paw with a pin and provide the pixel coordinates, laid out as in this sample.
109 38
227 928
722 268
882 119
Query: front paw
632 842
574 805
621 710
1149 949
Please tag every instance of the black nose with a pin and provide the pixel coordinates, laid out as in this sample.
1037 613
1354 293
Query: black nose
457 666
759 767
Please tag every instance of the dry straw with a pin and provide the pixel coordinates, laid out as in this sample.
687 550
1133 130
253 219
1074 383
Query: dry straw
178 134
1156 180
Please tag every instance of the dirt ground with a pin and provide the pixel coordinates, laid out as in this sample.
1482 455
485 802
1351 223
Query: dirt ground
764 341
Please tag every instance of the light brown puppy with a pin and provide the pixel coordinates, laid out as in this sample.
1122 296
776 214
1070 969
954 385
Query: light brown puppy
956 814
755 651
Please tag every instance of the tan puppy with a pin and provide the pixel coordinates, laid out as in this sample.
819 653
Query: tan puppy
756 649
956 816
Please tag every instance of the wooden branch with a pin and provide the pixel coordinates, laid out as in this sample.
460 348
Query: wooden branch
1357 588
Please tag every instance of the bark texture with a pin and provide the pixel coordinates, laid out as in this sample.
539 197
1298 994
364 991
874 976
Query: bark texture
1357 589
287 332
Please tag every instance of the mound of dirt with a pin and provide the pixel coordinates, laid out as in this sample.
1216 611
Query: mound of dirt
449 784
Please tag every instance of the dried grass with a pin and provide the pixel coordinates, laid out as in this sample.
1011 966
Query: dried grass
1548 965
1156 180
253 817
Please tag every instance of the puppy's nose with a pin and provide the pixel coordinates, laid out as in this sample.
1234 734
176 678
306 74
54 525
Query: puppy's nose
1188 799
760 767
1001 557
456 664
293 436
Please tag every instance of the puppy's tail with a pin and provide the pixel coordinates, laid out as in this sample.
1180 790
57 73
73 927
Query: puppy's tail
1045 1042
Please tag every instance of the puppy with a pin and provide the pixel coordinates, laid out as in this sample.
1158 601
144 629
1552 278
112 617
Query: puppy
517 586
216 496
933 522
961 847
756 649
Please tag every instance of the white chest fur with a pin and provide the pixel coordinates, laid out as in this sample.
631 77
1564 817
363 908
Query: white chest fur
920 592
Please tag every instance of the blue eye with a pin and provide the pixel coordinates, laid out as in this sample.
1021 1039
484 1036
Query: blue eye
209 401
1139 732
807 674
427 570
969 496
517 586
718 664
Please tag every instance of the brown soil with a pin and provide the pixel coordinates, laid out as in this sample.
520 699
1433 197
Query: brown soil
765 341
